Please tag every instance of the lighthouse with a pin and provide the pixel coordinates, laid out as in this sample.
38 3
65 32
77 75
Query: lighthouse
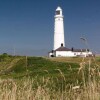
58 29
59 49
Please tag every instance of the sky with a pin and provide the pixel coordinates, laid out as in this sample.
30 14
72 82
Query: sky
27 26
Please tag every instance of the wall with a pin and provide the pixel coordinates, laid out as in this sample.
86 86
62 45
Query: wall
71 54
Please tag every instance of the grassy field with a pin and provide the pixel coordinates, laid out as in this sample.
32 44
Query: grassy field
39 78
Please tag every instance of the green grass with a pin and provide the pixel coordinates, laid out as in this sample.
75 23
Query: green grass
41 78
19 66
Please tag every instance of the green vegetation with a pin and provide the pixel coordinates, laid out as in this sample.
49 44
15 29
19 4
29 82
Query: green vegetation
21 66
38 78
18 67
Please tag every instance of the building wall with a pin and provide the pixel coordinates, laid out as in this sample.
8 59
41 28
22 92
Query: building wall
58 33
64 54
71 54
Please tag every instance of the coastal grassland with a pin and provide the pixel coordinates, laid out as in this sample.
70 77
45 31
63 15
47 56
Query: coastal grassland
38 78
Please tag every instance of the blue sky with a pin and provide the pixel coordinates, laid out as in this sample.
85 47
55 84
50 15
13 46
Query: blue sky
27 26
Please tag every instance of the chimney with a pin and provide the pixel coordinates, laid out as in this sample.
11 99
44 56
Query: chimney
52 51
72 49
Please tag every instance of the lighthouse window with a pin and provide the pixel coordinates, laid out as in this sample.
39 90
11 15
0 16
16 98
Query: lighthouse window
57 12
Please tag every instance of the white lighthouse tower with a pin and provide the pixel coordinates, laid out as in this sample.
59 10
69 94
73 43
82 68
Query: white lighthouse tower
58 29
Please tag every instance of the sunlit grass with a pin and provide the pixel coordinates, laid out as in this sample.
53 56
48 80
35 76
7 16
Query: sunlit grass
42 79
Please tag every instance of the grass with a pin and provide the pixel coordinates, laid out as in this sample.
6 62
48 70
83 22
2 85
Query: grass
37 78
18 67
48 89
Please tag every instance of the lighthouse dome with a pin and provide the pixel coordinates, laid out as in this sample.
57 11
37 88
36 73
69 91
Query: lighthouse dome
58 8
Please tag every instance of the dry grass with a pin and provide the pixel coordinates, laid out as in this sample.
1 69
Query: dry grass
11 90
47 89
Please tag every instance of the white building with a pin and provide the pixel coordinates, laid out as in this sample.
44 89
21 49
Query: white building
59 49
66 52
